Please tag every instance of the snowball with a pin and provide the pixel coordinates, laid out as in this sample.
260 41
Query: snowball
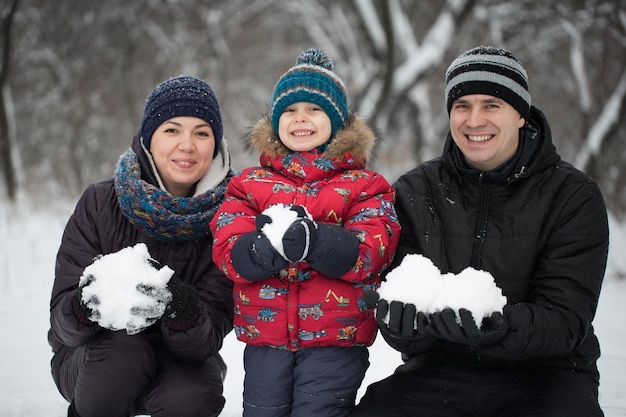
415 272
418 281
116 278
282 217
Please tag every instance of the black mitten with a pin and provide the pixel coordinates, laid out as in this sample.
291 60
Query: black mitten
299 239
407 328
184 299
335 250
254 257
444 325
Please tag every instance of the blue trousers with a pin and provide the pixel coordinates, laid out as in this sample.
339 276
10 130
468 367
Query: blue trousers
310 382
451 391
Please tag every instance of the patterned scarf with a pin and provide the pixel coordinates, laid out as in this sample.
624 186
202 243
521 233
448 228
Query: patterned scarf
157 212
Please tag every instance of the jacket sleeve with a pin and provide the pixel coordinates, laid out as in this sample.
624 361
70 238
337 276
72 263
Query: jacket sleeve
211 322
565 285
79 246
372 217
235 218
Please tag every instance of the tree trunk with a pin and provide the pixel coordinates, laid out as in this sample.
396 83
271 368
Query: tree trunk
8 169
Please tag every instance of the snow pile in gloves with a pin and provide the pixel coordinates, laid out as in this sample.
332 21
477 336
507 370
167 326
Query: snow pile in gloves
126 291
418 281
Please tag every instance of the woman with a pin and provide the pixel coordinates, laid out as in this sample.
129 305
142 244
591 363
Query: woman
165 190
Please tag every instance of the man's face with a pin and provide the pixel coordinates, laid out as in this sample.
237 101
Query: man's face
486 129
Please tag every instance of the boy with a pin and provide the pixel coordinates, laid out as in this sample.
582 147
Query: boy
301 312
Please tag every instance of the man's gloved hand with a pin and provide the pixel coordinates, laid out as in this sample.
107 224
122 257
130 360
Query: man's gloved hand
444 325
407 328
184 299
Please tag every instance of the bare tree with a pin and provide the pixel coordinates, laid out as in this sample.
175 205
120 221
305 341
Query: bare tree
81 71
6 151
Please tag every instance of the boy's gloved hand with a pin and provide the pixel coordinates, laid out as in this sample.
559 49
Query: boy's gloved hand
444 325
253 255
329 249
299 239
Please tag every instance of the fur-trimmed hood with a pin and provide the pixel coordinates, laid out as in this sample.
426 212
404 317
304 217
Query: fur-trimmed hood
357 138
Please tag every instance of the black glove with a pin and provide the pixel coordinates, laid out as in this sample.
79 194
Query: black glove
444 325
299 239
89 308
156 308
254 257
329 249
261 220
407 329
184 299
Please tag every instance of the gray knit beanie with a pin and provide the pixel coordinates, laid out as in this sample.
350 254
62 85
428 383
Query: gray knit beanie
491 71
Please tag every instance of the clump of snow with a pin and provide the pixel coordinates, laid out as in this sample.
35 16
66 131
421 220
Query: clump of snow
117 276
418 281
282 217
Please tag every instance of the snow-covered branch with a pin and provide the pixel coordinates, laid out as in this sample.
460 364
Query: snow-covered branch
601 128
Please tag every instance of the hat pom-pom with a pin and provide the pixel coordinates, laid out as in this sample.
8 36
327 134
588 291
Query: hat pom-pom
315 57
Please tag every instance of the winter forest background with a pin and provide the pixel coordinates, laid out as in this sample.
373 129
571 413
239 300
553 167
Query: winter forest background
74 75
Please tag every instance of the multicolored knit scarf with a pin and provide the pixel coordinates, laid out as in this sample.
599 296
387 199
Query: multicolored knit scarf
157 212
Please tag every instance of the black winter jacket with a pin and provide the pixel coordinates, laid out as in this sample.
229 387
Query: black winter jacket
98 226
539 226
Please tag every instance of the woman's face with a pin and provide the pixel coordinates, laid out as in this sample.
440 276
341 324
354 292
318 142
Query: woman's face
182 148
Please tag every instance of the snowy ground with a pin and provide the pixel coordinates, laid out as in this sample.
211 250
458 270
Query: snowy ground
27 250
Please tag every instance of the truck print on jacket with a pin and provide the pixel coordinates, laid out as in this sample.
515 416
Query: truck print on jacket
299 306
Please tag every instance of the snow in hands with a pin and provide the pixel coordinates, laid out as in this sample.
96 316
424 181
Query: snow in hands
418 281
125 290
282 217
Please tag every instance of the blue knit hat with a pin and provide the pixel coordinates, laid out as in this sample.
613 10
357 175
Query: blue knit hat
181 96
492 71
312 80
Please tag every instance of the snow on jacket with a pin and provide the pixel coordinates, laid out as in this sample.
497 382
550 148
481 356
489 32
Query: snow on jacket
300 307
97 227
539 227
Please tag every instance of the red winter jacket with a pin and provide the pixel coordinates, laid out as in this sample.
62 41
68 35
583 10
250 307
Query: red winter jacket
300 307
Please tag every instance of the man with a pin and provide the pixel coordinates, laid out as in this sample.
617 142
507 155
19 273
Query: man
499 199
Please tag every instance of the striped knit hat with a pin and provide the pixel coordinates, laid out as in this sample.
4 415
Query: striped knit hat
181 96
491 71
312 80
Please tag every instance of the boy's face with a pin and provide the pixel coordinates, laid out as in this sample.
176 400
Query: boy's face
304 126
486 129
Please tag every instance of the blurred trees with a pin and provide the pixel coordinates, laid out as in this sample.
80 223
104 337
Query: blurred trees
80 71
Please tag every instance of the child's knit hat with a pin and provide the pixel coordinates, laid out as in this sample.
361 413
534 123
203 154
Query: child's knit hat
312 80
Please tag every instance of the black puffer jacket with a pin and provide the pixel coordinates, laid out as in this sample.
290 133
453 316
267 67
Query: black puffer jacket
98 226
539 227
